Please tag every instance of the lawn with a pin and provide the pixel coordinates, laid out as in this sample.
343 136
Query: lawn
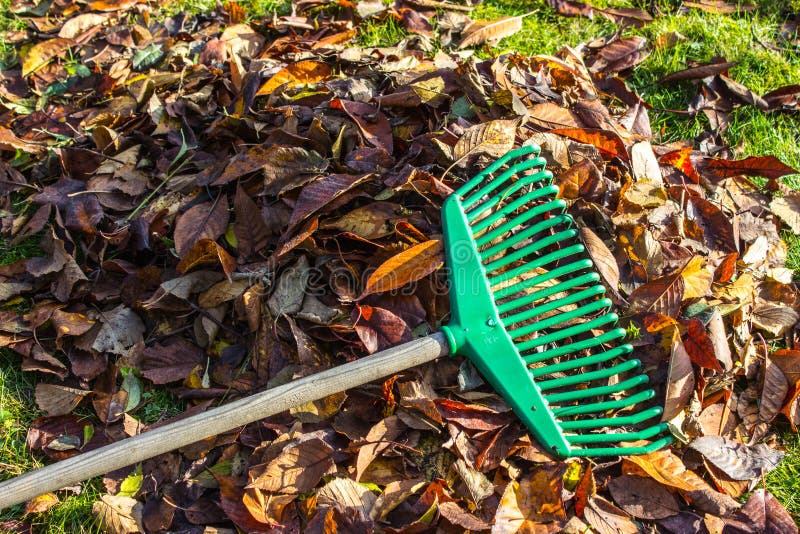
749 38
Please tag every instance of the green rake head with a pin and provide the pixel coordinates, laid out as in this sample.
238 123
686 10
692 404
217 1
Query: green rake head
528 310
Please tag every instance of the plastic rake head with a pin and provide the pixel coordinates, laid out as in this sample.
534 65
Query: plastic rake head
528 309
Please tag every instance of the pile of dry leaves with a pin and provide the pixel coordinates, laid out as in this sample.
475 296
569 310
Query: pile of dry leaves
223 207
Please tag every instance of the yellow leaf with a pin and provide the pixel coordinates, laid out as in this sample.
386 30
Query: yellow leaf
42 53
696 277
302 72
40 504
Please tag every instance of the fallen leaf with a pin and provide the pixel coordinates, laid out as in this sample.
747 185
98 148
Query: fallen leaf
119 515
738 460
296 469
699 71
409 266
303 72
607 518
42 53
480 32
379 329
349 494
643 498
530 502
202 221
41 503
663 295
766 166
58 400
608 143
493 138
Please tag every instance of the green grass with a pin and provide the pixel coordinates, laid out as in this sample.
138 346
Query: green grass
784 480
17 411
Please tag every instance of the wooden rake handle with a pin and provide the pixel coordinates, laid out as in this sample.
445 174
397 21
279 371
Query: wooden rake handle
222 419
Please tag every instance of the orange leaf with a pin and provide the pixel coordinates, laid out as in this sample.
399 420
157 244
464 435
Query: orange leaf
681 160
766 166
409 266
300 73
607 142
699 345
204 252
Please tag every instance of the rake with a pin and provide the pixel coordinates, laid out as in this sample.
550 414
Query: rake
527 308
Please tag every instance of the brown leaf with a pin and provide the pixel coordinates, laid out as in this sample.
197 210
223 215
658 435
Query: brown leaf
774 318
10 142
266 507
493 138
252 233
663 295
700 71
621 54
119 515
379 329
371 221
208 220
304 72
121 328
77 25
371 121
232 502
718 6
471 416
766 166
170 361
41 504
380 437
738 460
668 469
349 494
461 518
603 259
282 166
680 379
205 252
58 400
316 195
774 391
479 32
643 498
548 115
627 15
409 266
681 160
571 8
296 469
607 518
787 207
